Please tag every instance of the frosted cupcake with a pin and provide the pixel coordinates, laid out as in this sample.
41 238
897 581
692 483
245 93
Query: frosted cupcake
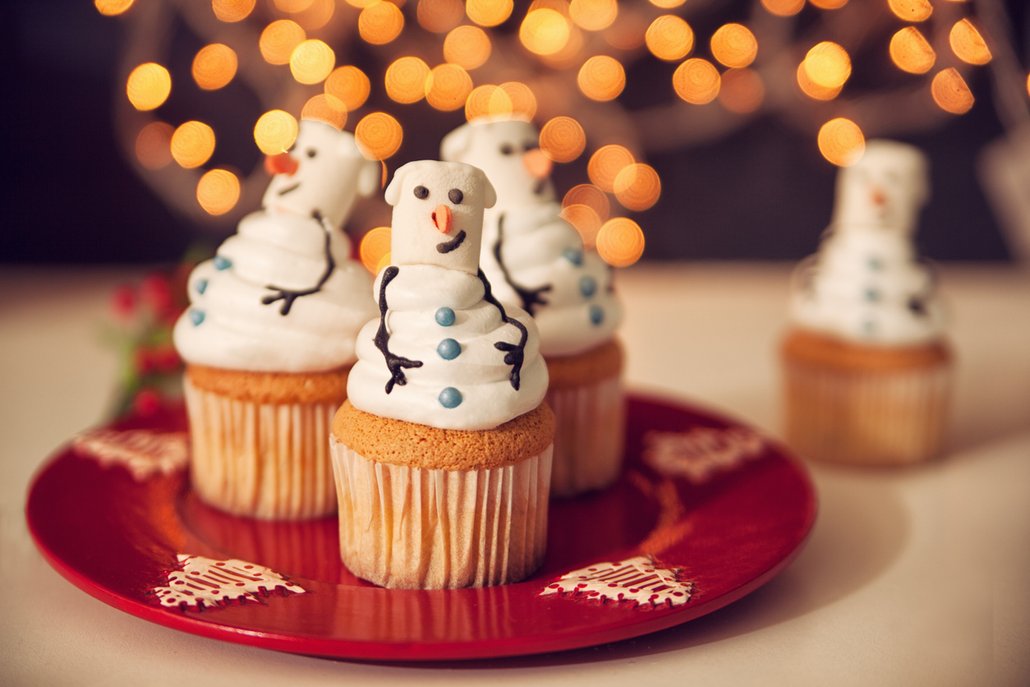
442 452
867 368
535 260
269 335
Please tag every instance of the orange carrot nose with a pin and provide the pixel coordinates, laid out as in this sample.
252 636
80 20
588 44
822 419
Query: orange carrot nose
879 197
283 163
537 163
443 218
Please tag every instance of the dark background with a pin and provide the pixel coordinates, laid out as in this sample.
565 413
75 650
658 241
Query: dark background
761 193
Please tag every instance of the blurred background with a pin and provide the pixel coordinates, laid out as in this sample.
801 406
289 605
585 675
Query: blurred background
138 129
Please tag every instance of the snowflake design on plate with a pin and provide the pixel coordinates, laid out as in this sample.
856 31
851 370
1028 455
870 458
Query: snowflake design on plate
640 581
700 453
142 452
203 582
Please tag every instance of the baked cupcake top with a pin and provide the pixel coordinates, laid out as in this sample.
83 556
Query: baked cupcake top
282 294
443 352
533 257
866 283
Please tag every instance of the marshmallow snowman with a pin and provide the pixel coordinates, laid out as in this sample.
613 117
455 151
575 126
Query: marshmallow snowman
885 189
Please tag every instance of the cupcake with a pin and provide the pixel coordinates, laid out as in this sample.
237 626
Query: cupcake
867 369
269 335
442 452
535 260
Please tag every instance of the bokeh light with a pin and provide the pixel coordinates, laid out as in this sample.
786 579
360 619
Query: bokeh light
521 97
214 66
742 91
350 85
911 52
620 242
405 79
380 23
231 11
486 100
562 139
112 8
637 186
154 145
544 31
601 78
374 246
812 89
734 46
292 6
841 141
275 131
967 43
593 15
783 8
467 46
379 135
827 64
950 92
148 86
696 81
911 10
218 191
192 144
586 221
488 12
606 163
669 38
447 87
312 61
317 15
589 195
325 108
667 4
828 4
439 16
279 39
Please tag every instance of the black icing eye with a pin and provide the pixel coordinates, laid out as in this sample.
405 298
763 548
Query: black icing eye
507 149
529 145
456 196
311 152
421 192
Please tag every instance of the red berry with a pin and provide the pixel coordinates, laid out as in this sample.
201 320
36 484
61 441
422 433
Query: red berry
147 402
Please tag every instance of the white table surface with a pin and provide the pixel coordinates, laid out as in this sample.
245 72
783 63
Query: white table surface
917 576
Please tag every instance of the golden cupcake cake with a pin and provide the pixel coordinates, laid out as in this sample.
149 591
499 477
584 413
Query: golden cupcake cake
442 452
867 367
536 261
268 338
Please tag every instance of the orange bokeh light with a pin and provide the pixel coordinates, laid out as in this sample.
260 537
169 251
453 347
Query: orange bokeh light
350 85
783 8
620 242
950 92
637 186
589 195
841 141
231 11
312 61
111 8
325 108
601 78
669 38
214 66
275 131
379 135
447 87
829 4
967 43
519 95
544 31
380 23
586 221
374 247
153 145
488 12
562 139
148 86
593 15
606 163
218 191
192 144
911 52
405 79
696 81
734 46
911 10
828 65
278 40
467 46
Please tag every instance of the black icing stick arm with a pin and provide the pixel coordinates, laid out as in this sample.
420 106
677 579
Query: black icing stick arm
395 363
530 298
288 296
514 354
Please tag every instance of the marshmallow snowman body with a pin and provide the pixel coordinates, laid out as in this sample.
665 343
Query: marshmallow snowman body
532 256
443 352
866 283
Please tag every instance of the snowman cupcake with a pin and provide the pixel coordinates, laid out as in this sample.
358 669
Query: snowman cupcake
269 335
442 452
867 367
535 260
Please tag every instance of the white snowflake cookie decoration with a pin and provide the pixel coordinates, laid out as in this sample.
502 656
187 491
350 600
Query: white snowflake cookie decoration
142 452
640 581
700 453
203 582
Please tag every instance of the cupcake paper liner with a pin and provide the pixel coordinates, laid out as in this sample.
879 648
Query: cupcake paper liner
261 460
591 429
421 528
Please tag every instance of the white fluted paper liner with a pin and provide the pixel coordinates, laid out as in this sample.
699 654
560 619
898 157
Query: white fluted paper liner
419 528
262 460
880 417
590 423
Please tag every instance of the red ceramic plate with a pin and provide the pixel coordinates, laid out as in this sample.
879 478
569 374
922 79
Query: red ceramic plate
705 512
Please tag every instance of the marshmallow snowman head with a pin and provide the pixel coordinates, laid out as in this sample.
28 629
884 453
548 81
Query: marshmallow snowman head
884 190
438 214
323 172
508 150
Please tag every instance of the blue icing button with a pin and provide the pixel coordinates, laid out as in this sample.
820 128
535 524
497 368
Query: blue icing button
596 314
222 263
196 316
201 286
450 397
449 349
444 316
574 256
587 286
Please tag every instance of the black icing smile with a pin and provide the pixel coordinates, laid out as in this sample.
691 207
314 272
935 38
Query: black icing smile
453 244
289 189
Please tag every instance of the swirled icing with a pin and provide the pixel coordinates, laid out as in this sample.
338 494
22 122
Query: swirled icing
479 372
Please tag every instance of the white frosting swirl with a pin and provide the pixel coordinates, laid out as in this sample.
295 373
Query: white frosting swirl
228 326
540 249
477 372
